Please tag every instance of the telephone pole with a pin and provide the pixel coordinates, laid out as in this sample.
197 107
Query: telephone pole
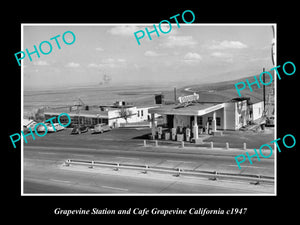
264 90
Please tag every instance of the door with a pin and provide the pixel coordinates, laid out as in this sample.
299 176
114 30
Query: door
191 122
170 121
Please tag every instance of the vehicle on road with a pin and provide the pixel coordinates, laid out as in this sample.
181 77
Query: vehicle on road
100 128
79 129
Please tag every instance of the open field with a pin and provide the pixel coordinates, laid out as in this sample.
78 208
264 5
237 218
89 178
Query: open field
223 91
137 94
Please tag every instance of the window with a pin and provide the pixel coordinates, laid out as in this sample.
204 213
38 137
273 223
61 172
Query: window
142 112
209 120
199 120
218 121
138 113
64 119
75 120
87 121
94 121
105 121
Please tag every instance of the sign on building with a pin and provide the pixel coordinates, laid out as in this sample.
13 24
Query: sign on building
188 98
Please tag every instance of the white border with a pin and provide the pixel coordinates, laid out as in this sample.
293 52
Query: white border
147 24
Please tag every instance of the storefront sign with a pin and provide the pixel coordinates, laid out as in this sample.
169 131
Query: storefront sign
188 98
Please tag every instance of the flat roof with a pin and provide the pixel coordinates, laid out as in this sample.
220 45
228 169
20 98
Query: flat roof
189 110
85 113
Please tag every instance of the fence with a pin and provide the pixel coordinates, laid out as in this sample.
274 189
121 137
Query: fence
183 144
211 175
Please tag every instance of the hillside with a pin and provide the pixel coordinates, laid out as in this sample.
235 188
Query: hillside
222 91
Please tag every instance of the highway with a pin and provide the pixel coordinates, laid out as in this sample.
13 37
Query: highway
44 171
79 180
219 160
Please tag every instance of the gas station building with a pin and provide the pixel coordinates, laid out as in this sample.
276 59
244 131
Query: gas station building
189 118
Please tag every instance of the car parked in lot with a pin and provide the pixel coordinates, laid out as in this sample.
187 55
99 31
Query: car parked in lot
270 121
100 128
79 129
57 127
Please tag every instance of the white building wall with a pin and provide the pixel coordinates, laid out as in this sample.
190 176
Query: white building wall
143 114
233 116
137 115
114 117
230 116
257 110
241 114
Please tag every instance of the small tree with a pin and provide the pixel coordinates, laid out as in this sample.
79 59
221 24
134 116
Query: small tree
125 113
39 114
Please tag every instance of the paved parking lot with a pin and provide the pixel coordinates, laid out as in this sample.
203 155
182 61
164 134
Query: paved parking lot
131 137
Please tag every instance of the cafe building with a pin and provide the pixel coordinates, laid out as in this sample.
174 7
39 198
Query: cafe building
115 115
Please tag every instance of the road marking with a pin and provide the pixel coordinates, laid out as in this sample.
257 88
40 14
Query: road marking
86 155
63 181
115 188
176 161
120 157
248 166
46 153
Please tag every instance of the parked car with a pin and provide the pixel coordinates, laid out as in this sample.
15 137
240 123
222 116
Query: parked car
100 128
79 129
40 129
270 121
57 126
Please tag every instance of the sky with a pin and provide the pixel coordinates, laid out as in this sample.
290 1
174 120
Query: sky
193 53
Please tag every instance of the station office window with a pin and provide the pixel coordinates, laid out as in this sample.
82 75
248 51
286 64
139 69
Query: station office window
218 120
105 121
199 120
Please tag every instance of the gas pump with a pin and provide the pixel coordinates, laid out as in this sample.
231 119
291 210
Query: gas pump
188 134
173 130
159 131
206 127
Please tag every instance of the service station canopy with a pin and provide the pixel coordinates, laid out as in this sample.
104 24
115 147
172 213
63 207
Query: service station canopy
194 109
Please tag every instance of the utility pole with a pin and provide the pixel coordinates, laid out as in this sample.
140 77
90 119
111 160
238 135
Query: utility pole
175 98
264 90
